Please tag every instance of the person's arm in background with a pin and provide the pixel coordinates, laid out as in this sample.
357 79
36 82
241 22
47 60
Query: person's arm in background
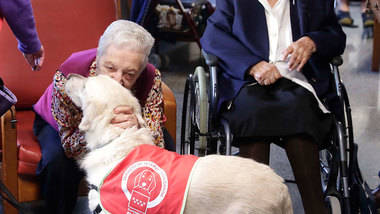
19 16
219 40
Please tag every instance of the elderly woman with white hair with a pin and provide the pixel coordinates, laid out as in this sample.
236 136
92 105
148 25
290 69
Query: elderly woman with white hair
122 54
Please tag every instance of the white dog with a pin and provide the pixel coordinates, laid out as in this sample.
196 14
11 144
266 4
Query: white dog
217 184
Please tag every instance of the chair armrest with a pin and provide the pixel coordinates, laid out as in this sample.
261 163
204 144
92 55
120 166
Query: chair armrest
337 61
211 60
170 110
376 44
9 151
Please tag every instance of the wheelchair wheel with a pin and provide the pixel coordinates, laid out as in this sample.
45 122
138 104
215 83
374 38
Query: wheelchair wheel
194 128
187 130
331 177
325 158
330 182
333 205
329 164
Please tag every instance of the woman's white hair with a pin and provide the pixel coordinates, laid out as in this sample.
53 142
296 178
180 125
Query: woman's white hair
125 34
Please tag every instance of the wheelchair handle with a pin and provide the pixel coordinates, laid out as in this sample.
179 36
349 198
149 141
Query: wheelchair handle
211 60
337 61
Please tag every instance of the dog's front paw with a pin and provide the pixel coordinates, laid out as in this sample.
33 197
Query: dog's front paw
93 199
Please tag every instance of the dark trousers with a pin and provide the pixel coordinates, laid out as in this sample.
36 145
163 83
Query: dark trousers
168 140
60 176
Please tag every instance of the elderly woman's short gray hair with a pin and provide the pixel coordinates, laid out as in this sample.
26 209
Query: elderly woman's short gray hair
125 34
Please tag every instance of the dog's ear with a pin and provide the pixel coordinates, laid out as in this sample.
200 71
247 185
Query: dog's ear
91 111
74 88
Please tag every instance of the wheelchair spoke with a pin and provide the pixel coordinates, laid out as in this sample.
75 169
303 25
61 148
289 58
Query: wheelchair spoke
325 159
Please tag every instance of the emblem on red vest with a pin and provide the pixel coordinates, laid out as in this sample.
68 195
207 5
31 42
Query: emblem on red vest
148 180
149 186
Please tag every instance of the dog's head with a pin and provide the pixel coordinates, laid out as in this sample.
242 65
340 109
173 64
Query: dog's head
98 96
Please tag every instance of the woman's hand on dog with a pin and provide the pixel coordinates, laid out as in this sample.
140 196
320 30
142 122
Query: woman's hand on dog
124 117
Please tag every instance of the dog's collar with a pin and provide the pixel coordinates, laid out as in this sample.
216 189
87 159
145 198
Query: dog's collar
98 208
92 186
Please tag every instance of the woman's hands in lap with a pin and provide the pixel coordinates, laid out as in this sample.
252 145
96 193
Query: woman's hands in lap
299 52
265 73
124 117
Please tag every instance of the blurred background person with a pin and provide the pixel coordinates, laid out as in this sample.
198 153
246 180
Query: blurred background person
344 16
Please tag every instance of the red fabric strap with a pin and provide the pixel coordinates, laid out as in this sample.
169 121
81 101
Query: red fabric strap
1 21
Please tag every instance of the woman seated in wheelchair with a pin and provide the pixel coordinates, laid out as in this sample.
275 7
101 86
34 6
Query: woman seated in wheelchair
122 54
274 59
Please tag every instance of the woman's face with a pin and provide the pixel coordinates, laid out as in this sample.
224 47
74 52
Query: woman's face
122 65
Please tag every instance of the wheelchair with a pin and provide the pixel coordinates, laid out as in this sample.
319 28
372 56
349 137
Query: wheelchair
203 133
172 21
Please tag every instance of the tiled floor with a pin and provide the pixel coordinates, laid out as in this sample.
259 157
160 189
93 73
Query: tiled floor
362 84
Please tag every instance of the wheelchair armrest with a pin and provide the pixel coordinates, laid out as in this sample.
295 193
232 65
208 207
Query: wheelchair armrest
211 60
337 61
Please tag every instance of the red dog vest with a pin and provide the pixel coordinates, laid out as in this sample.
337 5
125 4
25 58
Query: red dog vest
148 180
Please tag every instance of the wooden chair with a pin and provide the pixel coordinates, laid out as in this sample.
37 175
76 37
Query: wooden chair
64 26
376 46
